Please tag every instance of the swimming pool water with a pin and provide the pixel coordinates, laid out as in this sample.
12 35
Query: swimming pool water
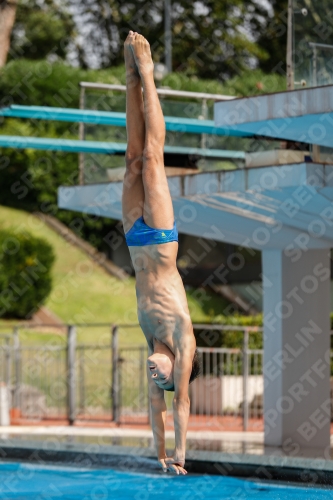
26 482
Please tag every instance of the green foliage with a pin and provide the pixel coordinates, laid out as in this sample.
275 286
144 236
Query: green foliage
82 292
25 273
222 363
234 338
46 83
239 320
314 26
231 338
211 39
275 37
248 83
42 30
30 178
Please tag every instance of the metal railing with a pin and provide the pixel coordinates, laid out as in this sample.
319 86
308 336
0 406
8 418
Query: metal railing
160 91
106 380
315 47
68 378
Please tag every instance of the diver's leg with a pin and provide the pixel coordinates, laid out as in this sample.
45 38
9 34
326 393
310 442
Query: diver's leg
133 192
158 210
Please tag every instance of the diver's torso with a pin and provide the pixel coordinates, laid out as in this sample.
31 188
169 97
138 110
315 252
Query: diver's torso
162 305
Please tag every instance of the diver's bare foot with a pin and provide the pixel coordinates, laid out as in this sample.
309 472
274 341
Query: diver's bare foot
142 55
130 64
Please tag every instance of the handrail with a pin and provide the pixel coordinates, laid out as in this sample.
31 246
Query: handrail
207 326
160 91
65 325
323 46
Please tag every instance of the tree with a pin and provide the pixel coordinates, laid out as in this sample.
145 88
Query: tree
211 38
25 273
30 178
312 22
275 37
42 29
7 20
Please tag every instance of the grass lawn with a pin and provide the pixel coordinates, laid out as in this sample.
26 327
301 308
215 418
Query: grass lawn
84 293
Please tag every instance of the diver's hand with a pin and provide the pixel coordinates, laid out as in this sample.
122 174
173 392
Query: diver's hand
173 465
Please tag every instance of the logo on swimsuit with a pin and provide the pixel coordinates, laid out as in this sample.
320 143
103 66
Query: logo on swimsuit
163 234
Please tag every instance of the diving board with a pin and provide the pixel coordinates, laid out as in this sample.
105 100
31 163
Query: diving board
77 146
68 145
172 123
302 115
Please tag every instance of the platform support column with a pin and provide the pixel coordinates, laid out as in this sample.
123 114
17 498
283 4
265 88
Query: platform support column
297 407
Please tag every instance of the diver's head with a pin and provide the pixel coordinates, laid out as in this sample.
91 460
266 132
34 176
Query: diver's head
161 365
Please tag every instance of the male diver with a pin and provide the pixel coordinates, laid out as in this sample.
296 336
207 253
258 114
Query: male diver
152 238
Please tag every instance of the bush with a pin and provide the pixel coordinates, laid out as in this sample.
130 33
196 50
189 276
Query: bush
231 338
234 339
25 273
30 178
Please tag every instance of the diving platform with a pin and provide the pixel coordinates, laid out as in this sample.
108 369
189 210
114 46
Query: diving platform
286 211
255 208
302 115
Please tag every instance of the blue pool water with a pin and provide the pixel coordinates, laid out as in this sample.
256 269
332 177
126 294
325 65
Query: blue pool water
25 482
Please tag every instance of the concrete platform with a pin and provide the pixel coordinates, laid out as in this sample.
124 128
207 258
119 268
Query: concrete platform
261 208
203 440
228 442
302 115
271 465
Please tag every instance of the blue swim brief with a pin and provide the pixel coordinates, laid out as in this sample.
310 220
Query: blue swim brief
141 235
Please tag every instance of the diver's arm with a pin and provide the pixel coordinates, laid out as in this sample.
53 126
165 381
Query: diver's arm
181 411
158 415
181 401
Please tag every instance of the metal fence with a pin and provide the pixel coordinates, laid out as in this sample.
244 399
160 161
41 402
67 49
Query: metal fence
63 379
5 355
